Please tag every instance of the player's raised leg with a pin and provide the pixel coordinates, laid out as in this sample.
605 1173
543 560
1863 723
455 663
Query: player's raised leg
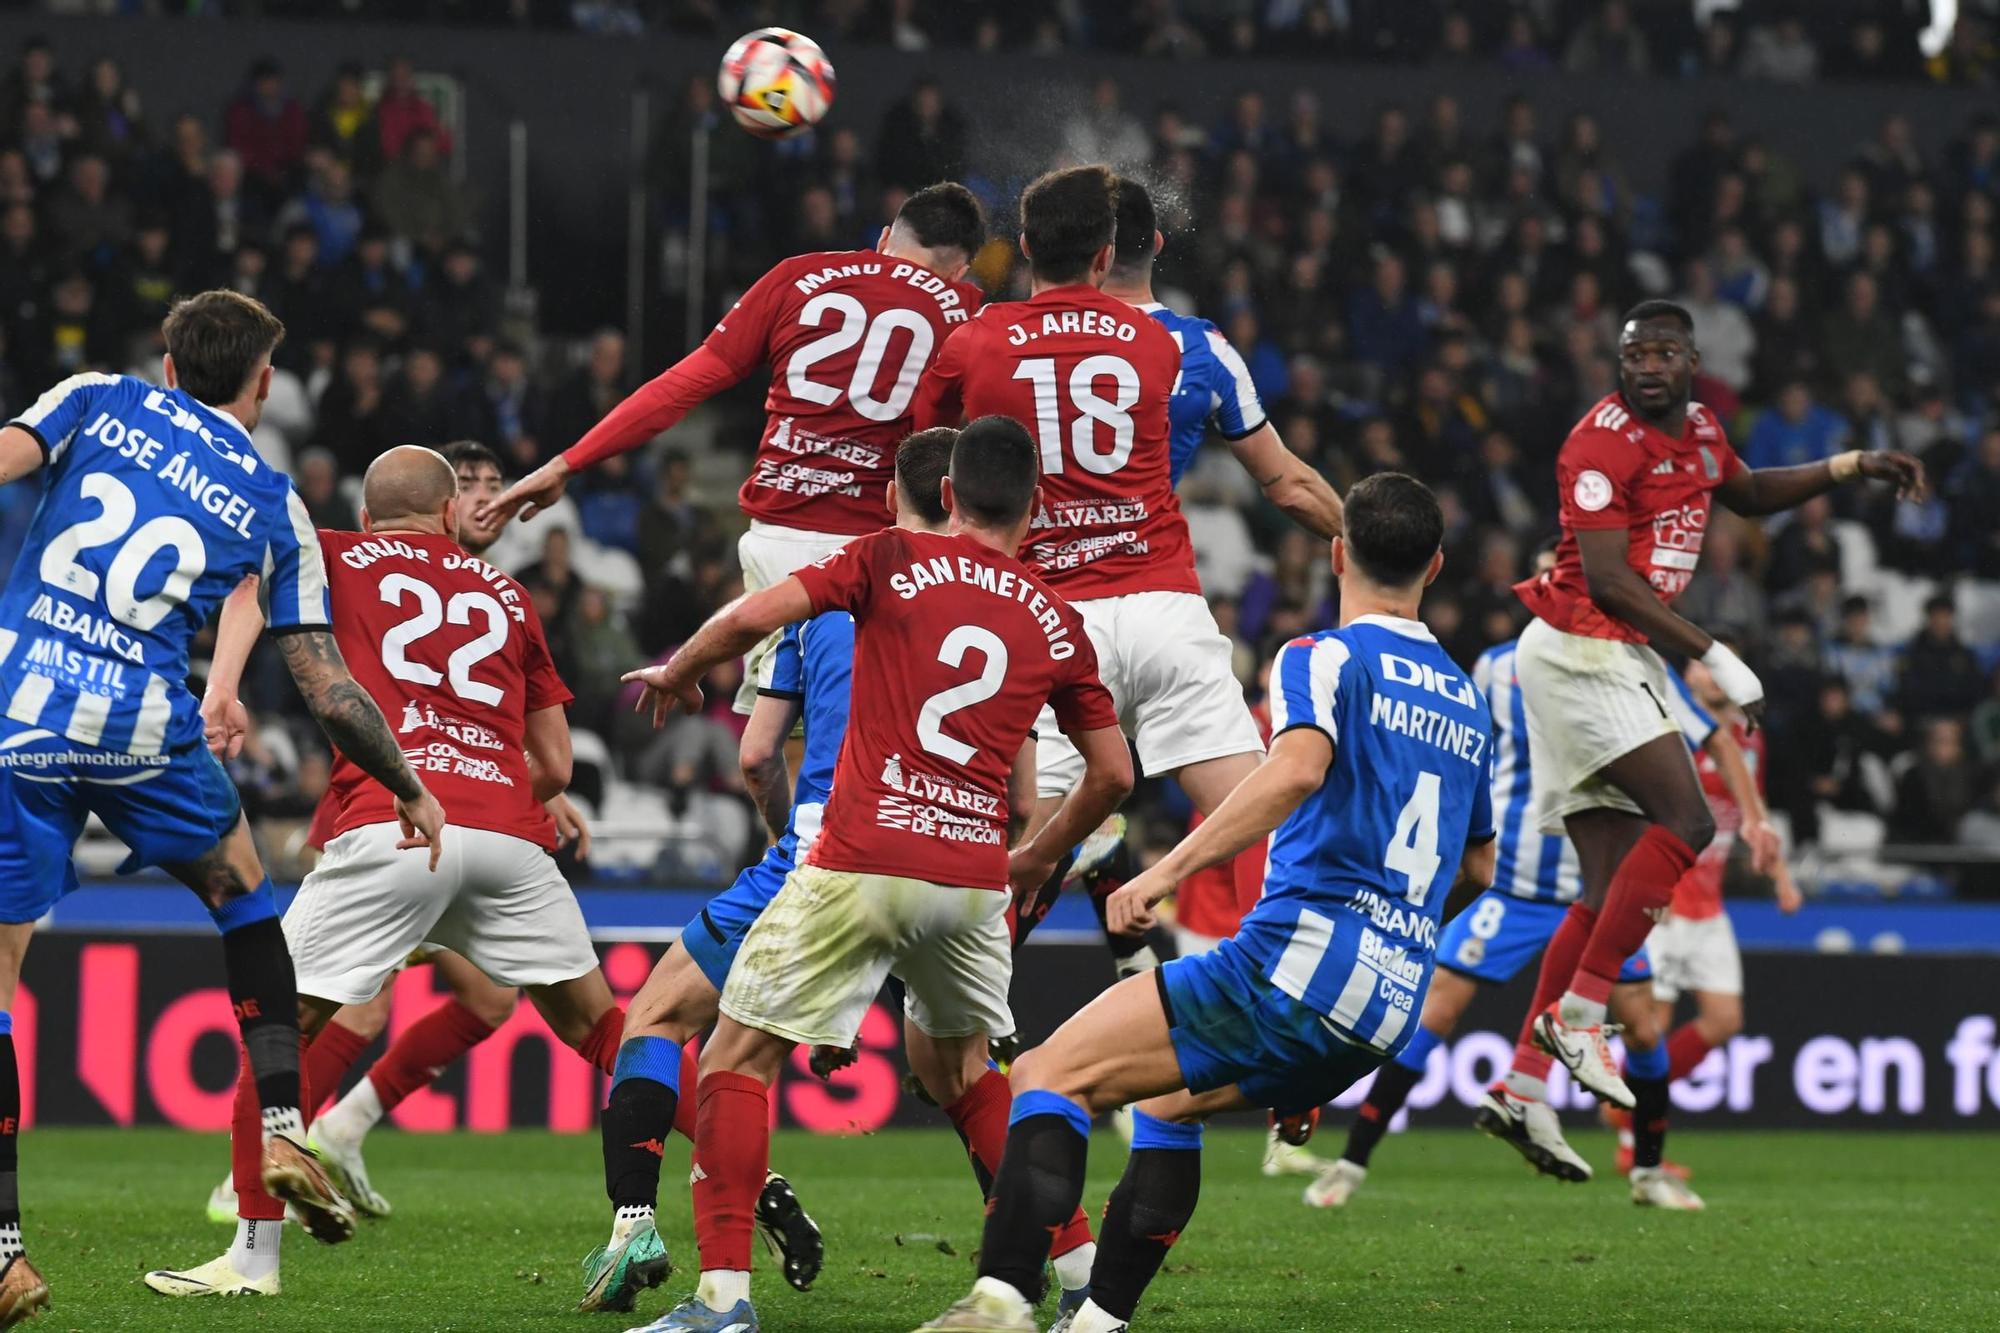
22 1291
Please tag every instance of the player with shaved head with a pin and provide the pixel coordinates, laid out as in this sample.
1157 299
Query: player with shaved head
451 650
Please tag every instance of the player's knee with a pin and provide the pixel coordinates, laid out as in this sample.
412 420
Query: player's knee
1694 826
492 1005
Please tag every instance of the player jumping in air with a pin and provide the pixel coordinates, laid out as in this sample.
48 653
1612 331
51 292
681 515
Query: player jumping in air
845 335
451 648
961 647
1636 476
1378 787
156 507
477 1005
1501 933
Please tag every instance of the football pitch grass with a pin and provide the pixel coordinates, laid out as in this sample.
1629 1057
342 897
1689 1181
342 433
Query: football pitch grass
1804 1231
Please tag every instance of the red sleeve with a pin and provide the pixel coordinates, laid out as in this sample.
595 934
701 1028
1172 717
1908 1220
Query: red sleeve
843 579
655 406
940 393
1592 478
545 687
1081 703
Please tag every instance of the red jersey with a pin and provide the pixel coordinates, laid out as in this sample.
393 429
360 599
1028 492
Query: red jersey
960 647
452 652
1698 894
1090 376
1616 471
846 336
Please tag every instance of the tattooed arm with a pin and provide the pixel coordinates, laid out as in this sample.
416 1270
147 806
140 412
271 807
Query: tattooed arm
357 728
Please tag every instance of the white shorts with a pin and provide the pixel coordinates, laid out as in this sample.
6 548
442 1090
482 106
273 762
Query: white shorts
769 555
1695 954
1168 669
1589 701
497 899
817 957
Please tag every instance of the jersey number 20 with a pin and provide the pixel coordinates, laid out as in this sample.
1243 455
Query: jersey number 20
860 389
119 584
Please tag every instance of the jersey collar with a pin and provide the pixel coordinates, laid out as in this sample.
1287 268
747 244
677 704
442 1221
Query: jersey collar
1409 629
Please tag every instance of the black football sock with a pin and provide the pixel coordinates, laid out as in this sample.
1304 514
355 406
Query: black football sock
1031 914
1146 1213
1037 1190
638 1116
1649 1120
1391 1089
10 1145
264 993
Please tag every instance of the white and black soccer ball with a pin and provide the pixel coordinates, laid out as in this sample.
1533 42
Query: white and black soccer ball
776 82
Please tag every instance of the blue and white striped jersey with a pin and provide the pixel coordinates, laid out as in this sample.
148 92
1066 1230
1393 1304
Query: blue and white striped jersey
1534 865
1359 873
155 507
814 663
1214 385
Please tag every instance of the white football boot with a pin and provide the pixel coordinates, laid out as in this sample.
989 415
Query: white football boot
1335 1185
214 1278
1657 1187
1531 1129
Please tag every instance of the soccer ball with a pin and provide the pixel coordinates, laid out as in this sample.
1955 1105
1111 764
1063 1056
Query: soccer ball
776 82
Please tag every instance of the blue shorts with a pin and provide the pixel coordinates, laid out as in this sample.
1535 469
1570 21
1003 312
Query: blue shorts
1498 935
1229 1024
712 938
167 814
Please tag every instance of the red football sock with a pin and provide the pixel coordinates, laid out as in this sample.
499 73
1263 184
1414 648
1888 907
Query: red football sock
685 1103
1643 884
246 1139
424 1050
732 1151
980 1117
600 1046
1686 1048
1559 960
332 1053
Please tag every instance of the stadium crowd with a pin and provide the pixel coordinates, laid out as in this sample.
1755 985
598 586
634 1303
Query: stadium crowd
1424 295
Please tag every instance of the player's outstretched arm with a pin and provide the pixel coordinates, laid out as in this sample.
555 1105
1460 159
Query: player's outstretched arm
546 739
1618 591
730 632
1772 490
224 721
762 758
1290 482
357 728
20 454
1106 782
1292 771
1734 771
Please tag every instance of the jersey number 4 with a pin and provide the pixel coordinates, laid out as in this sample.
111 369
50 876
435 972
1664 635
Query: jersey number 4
1088 409
874 337
1413 847
433 611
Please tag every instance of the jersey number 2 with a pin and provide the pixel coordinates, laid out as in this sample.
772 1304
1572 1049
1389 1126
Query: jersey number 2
860 390
930 717
433 611
1413 847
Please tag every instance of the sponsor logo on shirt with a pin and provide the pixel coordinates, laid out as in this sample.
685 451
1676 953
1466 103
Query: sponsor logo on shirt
422 717
438 757
938 807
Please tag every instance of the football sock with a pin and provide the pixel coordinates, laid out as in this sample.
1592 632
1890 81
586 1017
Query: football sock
684 1107
426 1049
264 993
10 1142
721 1288
645 1093
626 1220
254 1252
600 1045
1038 1187
246 1153
332 1053
1643 884
732 1152
1074 1266
1386 1096
980 1117
1147 1212
1528 1087
1649 1119
1023 918
348 1120
1559 960
1686 1049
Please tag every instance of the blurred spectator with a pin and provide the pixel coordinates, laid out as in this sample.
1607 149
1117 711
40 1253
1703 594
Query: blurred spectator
513 419
404 112
1974 490
1796 430
1862 338
1609 43
108 119
1939 675
417 198
317 476
1937 787
1868 668
266 127
344 122
594 389
923 139
1806 546
1721 330
352 421
89 221
1780 51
